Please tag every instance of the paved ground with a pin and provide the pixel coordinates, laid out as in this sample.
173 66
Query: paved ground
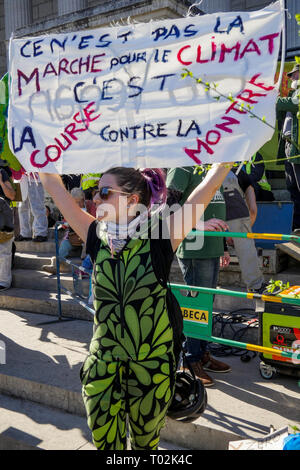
48 354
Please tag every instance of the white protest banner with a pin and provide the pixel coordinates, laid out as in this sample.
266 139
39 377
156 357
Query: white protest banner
86 101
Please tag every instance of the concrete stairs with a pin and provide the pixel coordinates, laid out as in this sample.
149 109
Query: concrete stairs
26 425
31 418
41 405
34 290
40 392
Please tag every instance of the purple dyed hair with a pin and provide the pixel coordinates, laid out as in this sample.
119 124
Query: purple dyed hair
156 181
148 183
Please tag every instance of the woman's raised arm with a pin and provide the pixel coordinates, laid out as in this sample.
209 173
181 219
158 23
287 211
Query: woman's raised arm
74 215
195 205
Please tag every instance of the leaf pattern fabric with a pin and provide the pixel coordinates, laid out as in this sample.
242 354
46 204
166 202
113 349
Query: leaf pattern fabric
130 367
139 302
142 389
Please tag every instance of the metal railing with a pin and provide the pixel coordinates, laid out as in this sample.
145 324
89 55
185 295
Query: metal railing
204 300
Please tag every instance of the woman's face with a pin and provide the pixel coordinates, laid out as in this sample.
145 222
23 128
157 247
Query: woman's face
115 207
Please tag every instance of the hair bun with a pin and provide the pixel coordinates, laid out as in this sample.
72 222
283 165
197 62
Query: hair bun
155 178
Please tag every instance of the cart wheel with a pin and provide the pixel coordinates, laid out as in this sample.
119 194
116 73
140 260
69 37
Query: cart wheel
266 371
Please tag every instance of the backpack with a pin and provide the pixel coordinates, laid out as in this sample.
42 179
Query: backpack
190 397
173 307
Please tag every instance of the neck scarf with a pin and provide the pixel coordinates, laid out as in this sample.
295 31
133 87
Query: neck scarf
117 235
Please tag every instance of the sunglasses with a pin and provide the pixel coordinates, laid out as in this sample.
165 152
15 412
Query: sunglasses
106 192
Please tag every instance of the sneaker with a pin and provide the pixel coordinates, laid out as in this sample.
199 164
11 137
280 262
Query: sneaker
3 288
261 290
201 374
20 238
49 268
212 365
39 239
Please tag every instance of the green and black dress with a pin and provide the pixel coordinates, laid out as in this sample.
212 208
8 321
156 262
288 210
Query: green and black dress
130 368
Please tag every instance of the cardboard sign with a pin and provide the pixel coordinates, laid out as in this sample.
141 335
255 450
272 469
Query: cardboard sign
89 100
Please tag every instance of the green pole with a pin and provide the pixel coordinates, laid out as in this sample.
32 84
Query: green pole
251 347
250 235
243 295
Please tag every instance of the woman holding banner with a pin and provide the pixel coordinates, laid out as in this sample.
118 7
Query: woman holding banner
130 368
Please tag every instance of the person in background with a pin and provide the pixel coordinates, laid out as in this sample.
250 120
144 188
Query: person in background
71 181
87 262
35 204
89 184
200 267
287 109
71 240
7 194
241 212
51 220
256 172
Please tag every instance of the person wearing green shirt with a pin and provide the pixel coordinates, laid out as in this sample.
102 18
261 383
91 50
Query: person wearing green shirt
200 261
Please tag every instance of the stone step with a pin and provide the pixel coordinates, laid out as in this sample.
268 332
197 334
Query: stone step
41 280
234 278
31 260
43 302
26 425
51 233
35 260
34 247
42 365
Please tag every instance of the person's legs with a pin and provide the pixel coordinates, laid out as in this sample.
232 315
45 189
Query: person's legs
24 219
104 402
65 248
37 205
246 252
292 179
5 263
150 387
201 273
295 195
195 347
142 389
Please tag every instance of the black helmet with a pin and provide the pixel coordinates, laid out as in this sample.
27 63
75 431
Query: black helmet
189 399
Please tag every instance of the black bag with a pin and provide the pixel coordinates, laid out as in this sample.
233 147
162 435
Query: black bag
6 216
236 207
176 320
173 307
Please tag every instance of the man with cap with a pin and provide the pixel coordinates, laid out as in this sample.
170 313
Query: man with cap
287 109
